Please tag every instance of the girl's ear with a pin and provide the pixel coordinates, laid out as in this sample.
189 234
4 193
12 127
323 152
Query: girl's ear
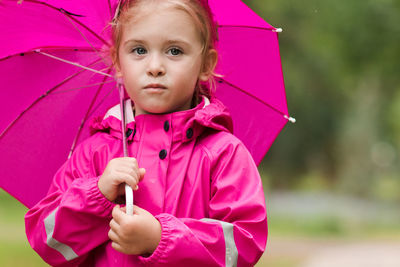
210 61
118 72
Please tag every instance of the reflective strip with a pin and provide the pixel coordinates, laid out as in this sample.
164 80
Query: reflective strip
206 101
65 250
231 252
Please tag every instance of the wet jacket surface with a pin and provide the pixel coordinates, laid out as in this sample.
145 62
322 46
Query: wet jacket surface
201 183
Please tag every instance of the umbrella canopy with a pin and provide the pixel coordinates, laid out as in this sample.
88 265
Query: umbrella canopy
55 77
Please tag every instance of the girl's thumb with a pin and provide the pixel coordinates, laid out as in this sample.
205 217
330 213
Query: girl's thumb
142 172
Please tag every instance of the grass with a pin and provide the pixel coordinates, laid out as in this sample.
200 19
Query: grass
15 250
19 254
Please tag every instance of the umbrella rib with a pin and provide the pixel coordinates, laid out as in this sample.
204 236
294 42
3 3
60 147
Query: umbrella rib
251 27
287 117
87 116
82 87
69 14
48 92
110 9
73 63
59 48
87 41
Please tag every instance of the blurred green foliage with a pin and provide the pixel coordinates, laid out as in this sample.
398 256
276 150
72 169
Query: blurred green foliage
341 65
14 247
332 227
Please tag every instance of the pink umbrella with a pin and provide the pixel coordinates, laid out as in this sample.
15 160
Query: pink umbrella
55 78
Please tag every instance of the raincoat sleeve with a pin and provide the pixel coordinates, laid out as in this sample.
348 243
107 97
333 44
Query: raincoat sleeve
235 233
73 218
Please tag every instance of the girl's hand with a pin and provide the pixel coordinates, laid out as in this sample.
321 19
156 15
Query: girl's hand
135 234
118 172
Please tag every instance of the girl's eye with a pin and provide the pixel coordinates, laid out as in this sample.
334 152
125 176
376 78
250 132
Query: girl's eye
175 51
139 51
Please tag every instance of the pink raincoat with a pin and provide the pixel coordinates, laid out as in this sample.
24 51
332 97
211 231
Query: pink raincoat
201 184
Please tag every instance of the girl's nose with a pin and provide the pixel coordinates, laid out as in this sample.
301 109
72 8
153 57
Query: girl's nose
155 67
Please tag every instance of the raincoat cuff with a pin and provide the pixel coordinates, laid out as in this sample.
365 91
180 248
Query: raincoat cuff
158 255
98 198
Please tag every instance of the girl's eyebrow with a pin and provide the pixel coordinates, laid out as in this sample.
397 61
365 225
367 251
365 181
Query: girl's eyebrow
177 41
168 42
134 41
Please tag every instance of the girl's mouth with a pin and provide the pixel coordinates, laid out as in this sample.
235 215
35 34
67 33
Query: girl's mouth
155 86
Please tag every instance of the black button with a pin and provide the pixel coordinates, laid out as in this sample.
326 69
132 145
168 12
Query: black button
166 126
163 154
129 132
189 133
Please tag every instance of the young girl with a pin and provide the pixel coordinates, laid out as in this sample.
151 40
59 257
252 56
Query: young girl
198 195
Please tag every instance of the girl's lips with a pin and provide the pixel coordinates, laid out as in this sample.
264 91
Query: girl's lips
155 86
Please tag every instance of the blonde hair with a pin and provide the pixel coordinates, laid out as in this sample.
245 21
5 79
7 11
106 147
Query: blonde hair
202 18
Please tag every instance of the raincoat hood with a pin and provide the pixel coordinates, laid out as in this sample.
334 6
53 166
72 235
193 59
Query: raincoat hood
206 115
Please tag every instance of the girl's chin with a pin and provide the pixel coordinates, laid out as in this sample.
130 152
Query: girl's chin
160 106
154 110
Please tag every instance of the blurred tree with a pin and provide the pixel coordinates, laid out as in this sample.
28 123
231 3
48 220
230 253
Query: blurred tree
340 61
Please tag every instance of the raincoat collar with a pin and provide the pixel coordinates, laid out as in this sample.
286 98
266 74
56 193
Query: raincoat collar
184 125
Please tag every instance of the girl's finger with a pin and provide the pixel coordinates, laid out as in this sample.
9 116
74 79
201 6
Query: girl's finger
129 161
125 164
127 178
137 210
117 247
128 170
117 214
113 236
114 226
142 172
123 179
132 180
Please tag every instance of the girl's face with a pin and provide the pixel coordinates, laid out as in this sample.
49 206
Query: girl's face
160 60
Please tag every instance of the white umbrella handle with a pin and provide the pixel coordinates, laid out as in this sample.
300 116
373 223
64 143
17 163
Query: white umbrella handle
129 199
128 189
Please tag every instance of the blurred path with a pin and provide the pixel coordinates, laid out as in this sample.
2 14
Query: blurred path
371 254
298 252
350 243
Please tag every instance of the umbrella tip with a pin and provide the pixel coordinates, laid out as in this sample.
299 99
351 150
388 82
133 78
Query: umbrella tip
278 30
291 119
